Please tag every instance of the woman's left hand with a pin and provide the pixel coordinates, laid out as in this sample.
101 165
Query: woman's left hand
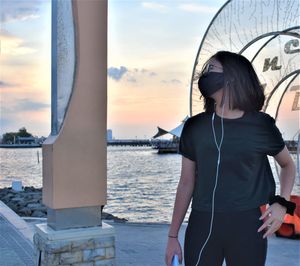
276 213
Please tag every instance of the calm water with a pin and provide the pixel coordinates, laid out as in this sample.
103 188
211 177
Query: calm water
141 183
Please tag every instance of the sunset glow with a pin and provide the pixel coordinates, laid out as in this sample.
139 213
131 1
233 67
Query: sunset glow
151 51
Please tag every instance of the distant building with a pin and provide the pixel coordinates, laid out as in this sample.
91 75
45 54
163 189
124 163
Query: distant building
41 140
25 140
109 135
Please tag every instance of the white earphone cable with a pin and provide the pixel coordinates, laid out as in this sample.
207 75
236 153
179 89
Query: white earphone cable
217 174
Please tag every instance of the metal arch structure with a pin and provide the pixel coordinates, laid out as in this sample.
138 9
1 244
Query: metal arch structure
267 32
273 37
275 18
298 132
296 73
198 53
285 90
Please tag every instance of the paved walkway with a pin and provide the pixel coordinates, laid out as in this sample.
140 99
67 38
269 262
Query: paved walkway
15 248
136 243
150 243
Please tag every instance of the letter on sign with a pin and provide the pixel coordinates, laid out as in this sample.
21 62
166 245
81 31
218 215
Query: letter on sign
289 44
273 64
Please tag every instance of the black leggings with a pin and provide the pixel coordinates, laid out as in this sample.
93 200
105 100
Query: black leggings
234 237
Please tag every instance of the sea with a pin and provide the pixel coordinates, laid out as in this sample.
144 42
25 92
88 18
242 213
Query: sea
141 184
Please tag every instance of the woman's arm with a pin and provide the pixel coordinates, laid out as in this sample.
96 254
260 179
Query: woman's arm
276 212
184 194
287 173
183 197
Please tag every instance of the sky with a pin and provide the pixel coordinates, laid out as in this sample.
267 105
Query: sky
151 52
25 66
152 47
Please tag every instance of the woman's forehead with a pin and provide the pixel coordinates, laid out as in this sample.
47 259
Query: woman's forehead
214 62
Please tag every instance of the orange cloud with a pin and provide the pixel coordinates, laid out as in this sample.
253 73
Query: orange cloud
13 46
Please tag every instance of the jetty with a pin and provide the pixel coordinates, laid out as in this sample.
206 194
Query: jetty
16 146
162 145
129 142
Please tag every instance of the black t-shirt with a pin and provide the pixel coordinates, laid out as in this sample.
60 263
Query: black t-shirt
245 177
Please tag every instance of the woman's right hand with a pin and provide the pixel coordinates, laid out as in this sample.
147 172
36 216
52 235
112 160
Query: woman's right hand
173 247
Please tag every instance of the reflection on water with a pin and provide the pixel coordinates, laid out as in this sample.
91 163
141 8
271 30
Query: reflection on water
21 164
141 183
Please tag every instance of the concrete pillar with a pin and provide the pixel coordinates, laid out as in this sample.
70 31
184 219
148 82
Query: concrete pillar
74 154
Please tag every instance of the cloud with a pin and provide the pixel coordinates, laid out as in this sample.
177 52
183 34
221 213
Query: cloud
131 79
197 8
174 81
4 84
152 74
5 122
116 73
144 71
154 6
13 46
19 10
29 105
136 100
5 33
131 75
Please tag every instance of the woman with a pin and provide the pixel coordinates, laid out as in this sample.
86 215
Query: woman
226 171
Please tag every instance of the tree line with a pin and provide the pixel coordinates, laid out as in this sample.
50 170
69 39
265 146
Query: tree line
9 137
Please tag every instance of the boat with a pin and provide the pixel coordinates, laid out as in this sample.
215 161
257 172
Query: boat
168 146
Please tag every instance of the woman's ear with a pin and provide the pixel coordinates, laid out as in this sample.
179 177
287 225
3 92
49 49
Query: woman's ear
215 104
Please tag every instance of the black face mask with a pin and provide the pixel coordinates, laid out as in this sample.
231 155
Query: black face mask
210 83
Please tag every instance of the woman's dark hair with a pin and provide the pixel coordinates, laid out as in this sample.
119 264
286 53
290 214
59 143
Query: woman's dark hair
241 82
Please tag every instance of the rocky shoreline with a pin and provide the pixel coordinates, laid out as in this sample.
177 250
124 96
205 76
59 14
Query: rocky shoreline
28 203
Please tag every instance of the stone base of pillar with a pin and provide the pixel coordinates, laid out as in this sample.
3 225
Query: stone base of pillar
90 246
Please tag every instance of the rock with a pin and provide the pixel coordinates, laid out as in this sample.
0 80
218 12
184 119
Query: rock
108 216
32 201
34 205
29 202
25 212
17 199
29 189
38 214
7 197
32 194
37 207
13 206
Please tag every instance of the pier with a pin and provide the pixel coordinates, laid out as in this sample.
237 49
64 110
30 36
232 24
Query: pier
168 145
129 142
15 146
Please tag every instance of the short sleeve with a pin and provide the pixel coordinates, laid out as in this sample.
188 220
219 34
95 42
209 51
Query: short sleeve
274 141
186 145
